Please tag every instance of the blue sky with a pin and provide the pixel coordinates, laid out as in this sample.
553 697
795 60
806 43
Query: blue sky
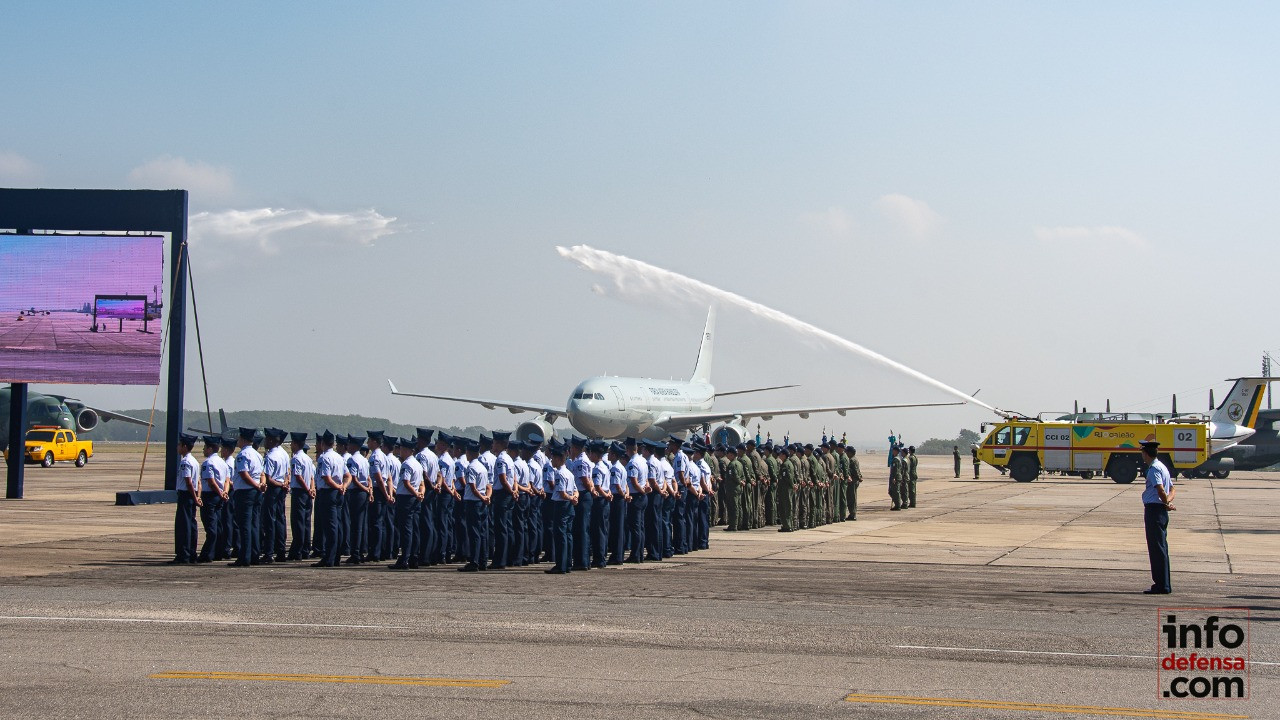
992 193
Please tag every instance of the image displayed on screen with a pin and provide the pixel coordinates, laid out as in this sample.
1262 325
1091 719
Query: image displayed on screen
81 309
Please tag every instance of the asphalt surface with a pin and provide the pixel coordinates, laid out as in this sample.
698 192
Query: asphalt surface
93 625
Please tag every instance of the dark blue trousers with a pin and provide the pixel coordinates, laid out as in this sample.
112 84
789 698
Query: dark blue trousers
550 516
211 518
319 519
329 521
653 527
427 526
617 528
228 522
502 507
247 504
379 527
477 522
636 524
522 522
274 527
407 507
581 550
668 507
300 504
447 546
358 521
680 522
1156 519
599 531
562 516
702 515
184 528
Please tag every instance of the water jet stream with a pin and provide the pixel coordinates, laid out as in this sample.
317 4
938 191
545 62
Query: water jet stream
635 277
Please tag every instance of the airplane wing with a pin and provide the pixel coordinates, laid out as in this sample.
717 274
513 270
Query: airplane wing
680 420
511 407
104 414
754 390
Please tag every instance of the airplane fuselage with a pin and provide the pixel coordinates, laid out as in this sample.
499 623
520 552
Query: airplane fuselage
615 407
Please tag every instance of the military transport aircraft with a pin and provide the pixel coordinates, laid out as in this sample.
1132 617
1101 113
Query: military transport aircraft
614 407
58 410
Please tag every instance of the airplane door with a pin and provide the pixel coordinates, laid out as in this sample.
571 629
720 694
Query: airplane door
617 393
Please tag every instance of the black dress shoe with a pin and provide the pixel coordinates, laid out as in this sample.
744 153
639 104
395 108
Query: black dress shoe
553 571
322 563
399 566
203 560
1154 591
469 567
634 561
239 563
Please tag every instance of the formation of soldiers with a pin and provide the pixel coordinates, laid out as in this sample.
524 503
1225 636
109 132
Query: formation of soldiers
493 502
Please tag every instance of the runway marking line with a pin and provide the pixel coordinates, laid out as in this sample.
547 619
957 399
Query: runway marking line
349 679
165 621
1037 707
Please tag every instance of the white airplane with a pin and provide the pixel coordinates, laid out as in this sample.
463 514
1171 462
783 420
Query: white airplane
614 407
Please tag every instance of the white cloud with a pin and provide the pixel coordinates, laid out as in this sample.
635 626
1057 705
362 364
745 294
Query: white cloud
913 216
205 182
15 168
1107 234
271 230
834 222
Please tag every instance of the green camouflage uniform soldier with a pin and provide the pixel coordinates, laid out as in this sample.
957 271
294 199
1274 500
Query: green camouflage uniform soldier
771 516
913 474
895 480
802 489
855 479
747 497
833 480
955 453
821 482
842 487
787 470
762 483
731 475
716 507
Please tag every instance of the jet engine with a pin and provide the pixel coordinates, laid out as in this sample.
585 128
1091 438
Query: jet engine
730 434
86 420
534 427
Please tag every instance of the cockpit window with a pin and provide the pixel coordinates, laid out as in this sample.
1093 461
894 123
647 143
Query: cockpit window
599 396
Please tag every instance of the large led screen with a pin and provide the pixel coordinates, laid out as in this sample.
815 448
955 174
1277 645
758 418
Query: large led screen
81 308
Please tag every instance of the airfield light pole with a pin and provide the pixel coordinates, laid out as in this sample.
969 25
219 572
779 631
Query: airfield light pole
17 433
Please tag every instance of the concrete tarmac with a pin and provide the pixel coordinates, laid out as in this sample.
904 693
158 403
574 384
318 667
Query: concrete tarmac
991 599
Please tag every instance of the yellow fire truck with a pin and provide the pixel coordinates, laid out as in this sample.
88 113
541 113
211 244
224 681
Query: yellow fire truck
1110 445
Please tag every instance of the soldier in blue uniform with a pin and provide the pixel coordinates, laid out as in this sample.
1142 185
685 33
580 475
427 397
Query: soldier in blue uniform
430 462
598 525
618 506
330 474
582 469
502 508
379 509
358 499
638 488
563 499
1157 501
275 473
214 488
475 500
302 493
226 517
409 493
446 499
247 493
188 485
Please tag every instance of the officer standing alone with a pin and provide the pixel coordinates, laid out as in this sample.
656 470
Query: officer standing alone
1157 501
184 524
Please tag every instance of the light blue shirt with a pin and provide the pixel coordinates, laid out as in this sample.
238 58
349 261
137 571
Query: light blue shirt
617 478
251 462
668 474
566 485
329 465
504 472
638 473
478 480
679 464
1157 476
705 471
580 468
212 469
378 465
548 478
444 466
410 477
430 463
188 473
393 474
358 467
600 475
524 474
301 466
276 465
460 474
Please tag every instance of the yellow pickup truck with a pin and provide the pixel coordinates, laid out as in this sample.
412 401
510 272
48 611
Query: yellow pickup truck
47 445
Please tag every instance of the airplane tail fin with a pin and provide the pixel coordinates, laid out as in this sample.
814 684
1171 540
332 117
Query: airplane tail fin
702 370
1243 402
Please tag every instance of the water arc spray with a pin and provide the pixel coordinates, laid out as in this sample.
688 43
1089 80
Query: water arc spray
637 277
